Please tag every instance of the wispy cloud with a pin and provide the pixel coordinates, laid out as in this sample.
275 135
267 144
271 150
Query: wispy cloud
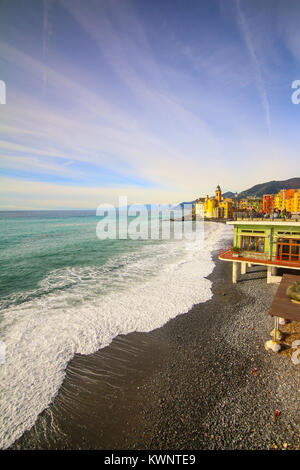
39 195
288 20
165 100
103 134
260 84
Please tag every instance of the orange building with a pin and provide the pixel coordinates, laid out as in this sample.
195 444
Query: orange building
268 203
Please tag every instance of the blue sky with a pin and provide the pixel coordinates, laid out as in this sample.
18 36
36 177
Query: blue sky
156 100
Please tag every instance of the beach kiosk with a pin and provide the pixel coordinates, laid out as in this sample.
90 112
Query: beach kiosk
274 244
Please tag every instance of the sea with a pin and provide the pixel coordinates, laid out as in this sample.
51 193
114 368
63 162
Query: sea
64 291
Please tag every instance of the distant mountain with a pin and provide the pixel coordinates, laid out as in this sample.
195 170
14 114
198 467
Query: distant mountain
181 205
272 187
229 194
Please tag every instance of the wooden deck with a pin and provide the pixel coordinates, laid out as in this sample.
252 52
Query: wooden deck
282 306
228 256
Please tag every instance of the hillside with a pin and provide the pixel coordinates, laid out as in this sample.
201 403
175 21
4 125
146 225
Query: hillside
229 194
271 187
184 204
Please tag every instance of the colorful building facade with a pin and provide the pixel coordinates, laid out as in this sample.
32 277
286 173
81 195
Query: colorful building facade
269 243
281 198
291 201
268 203
295 203
286 200
218 208
251 204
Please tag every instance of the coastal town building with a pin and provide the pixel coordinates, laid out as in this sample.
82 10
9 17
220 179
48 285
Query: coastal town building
218 207
199 207
281 198
274 244
268 203
287 200
215 207
226 209
251 204
292 203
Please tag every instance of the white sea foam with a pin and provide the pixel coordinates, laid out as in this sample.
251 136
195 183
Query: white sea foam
140 292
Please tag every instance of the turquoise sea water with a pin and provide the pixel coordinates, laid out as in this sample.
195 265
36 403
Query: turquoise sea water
63 291
34 244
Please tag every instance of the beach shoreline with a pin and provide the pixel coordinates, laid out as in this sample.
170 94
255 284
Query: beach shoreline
186 385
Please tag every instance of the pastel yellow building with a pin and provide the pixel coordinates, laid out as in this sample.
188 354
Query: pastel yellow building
292 203
216 207
226 208
251 203
278 199
296 207
281 198
210 205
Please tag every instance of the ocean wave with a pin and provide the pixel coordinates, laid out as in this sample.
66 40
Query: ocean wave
80 310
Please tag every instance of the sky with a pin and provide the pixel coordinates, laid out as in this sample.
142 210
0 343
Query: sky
156 100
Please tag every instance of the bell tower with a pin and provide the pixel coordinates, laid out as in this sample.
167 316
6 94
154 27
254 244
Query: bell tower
218 194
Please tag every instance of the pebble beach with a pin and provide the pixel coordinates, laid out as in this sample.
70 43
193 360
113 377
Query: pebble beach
202 381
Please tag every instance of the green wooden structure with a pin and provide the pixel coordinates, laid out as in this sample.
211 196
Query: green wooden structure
270 243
